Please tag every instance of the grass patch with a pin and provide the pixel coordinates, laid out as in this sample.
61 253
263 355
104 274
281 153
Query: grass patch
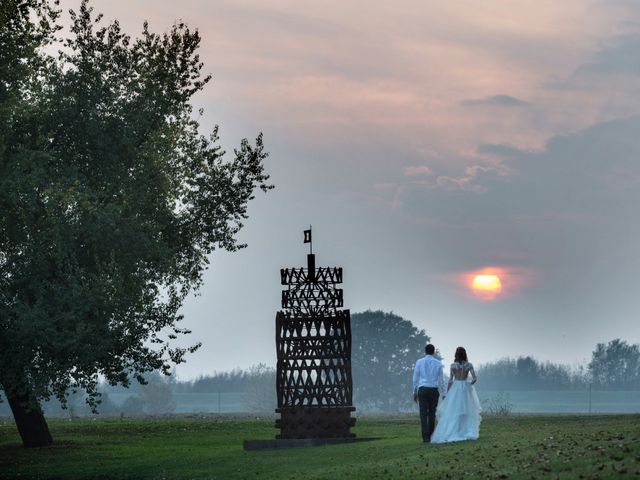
189 448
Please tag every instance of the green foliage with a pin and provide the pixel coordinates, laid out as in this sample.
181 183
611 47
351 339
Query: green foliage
515 447
111 200
383 354
20 39
616 365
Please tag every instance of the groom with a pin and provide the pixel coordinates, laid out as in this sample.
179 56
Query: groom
428 385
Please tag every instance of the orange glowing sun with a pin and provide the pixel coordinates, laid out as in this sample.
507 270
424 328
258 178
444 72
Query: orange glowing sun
487 286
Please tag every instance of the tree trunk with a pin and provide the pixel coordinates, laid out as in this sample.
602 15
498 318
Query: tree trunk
30 421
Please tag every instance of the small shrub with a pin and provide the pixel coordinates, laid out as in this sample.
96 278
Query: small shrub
499 405
260 391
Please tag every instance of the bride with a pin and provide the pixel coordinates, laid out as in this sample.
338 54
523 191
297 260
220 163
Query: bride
459 413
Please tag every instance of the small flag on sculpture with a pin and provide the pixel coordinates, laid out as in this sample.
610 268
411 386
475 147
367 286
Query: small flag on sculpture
307 236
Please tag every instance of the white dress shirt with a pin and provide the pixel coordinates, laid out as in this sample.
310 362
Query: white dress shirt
429 373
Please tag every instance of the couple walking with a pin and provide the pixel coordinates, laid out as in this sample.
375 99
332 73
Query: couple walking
459 411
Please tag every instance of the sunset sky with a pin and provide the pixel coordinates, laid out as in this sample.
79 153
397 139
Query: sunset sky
427 142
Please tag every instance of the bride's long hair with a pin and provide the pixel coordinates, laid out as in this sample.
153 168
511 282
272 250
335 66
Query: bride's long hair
461 355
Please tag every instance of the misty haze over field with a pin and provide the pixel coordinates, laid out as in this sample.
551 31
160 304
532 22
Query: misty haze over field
427 142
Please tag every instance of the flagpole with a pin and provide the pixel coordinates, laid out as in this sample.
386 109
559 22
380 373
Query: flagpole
310 240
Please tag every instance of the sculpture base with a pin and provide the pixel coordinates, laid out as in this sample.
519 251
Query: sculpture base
315 422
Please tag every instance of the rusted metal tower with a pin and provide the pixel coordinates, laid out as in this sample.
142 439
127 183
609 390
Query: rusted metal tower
313 342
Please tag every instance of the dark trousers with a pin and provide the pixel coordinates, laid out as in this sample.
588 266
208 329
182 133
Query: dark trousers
428 402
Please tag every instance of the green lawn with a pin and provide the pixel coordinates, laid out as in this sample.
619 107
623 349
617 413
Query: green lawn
185 448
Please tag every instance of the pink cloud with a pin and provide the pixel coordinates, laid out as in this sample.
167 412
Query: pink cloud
418 170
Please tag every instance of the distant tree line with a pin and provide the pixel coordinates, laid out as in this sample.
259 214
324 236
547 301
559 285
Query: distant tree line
527 373
384 350
155 397
231 381
613 366
257 385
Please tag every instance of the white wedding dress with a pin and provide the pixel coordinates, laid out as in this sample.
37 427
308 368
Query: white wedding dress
459 413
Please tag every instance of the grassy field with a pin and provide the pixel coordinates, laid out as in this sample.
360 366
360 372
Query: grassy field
189 448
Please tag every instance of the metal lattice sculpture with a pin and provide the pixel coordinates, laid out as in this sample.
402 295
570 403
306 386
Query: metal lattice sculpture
313 342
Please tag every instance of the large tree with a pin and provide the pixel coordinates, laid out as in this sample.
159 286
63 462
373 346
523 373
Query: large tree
383 355
110 202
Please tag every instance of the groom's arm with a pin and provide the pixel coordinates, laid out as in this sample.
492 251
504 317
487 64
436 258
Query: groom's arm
416 377
441 386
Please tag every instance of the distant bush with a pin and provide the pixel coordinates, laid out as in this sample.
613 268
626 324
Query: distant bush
260 390
499 404
106 405
133 405
157 396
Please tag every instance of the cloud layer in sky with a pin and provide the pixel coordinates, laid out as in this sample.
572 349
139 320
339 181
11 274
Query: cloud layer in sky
425 141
